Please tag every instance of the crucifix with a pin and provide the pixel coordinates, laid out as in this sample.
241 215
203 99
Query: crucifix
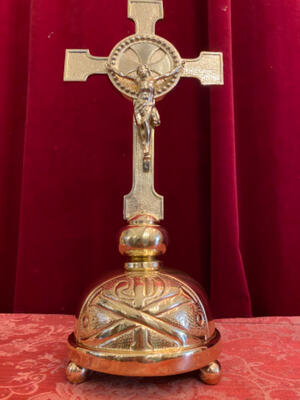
146 322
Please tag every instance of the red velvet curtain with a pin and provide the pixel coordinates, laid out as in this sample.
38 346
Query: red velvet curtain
227 158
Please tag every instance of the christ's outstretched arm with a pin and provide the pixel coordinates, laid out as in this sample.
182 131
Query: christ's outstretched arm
171 73
110 68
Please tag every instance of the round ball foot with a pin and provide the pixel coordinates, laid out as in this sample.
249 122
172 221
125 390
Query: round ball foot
211 373
76 374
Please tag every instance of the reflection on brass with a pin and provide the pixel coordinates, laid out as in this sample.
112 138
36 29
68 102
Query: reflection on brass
142 311
147 318
144 321
143 239
137 363
75 373
211 373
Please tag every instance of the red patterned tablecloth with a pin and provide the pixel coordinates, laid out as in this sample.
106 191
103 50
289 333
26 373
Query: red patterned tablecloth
260 359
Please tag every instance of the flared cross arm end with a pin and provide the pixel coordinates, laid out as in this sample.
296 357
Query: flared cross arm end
208 68
80 64
145 14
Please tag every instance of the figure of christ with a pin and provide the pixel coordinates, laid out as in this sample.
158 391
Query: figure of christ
146 115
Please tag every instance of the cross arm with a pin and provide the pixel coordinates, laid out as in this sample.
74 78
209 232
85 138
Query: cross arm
145 14
80 64
208 68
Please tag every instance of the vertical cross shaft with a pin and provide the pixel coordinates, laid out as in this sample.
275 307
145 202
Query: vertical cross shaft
143 197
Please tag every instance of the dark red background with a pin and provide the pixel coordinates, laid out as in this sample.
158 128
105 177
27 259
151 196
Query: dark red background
227 158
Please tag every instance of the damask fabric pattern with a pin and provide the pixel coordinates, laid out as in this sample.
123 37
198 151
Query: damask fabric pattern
260 359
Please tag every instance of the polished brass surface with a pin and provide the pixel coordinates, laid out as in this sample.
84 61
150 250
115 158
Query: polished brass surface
76 374
80 64
134 54
142 240
143 265
211 373
152 320
142 199
145 14
208 68
143 311
144 321
167 363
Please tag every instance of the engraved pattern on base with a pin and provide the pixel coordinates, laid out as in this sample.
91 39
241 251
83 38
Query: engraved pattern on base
144 313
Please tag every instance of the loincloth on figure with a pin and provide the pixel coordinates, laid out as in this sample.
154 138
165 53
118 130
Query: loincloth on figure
143 112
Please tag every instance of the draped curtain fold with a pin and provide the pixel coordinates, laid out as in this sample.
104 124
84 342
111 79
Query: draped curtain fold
227 158
229 288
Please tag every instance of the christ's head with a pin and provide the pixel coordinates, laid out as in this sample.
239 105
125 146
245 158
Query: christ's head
143 71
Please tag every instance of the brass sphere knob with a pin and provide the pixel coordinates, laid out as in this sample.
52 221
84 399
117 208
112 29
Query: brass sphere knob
75 373
143 238
211 374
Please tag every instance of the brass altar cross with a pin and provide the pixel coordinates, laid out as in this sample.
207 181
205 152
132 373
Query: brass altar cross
144 67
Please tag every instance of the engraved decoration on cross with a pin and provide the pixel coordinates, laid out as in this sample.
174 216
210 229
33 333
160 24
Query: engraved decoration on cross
123 66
